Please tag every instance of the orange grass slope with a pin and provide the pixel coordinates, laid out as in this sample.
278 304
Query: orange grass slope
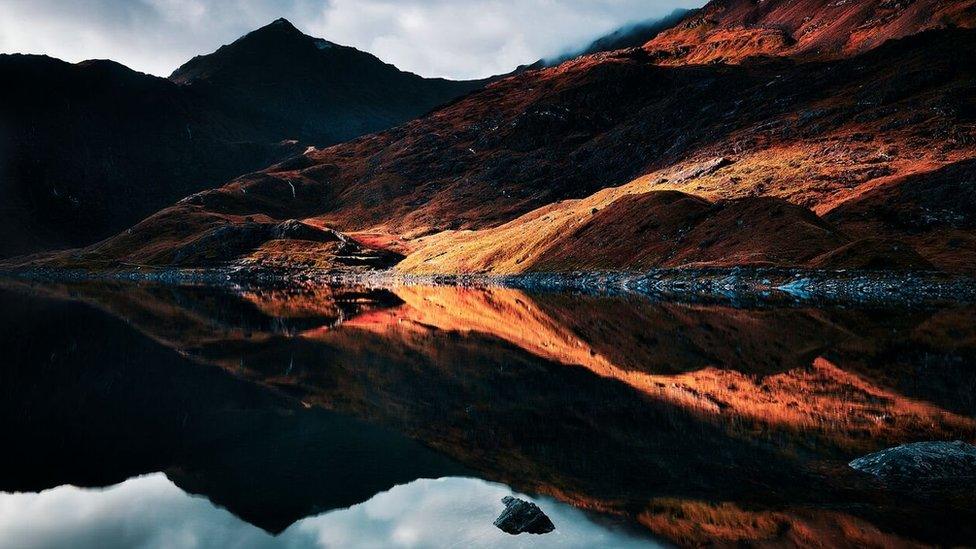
871 140
618 230
887 201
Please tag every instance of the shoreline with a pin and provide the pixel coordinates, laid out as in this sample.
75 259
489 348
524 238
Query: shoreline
732 284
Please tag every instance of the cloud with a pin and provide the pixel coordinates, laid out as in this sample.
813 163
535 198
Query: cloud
147 511
449 38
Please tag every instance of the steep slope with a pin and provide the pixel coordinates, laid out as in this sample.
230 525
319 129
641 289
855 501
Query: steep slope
91 148
299 87
842 152
730 31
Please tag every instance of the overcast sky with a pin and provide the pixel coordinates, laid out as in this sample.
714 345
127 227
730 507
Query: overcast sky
449 38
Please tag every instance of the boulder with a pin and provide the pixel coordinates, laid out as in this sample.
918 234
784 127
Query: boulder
523 516
935 461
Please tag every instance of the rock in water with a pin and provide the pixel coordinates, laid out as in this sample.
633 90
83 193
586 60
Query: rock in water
921 462
523 516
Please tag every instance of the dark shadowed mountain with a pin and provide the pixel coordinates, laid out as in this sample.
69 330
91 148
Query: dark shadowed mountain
90 148
296 86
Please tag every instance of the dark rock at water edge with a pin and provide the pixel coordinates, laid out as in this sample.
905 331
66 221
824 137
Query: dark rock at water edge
920 462
523 516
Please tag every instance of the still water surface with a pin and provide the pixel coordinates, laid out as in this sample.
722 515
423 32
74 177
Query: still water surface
151 511
158 416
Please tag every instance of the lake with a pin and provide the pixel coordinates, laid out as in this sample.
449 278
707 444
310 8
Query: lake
327 416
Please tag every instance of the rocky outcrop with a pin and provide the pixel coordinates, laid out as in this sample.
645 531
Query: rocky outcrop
228 242
935 461
523 516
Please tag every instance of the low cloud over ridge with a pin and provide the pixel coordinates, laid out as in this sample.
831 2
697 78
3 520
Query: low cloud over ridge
449 38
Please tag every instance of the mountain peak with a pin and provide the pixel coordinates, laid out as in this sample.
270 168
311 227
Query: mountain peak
280 29
282 24
255 51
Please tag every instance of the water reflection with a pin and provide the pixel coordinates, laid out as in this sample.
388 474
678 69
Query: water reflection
700 423
150 511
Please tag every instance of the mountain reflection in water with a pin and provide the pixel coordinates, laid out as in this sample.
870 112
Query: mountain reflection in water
693 422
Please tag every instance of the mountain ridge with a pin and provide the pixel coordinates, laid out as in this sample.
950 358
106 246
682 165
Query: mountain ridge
90 148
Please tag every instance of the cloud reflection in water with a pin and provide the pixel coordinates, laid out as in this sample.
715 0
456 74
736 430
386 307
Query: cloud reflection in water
151 512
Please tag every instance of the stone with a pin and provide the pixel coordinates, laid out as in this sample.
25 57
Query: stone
935 461
523 516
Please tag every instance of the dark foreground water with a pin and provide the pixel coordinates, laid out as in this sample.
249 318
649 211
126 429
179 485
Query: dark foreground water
158 416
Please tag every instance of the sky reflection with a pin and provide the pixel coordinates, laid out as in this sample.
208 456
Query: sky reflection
151 512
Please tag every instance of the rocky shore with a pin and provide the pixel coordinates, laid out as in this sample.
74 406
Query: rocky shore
729 285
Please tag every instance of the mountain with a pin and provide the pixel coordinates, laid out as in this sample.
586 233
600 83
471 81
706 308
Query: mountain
620 160
501 179
299 87
88 149
879 146
730 31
